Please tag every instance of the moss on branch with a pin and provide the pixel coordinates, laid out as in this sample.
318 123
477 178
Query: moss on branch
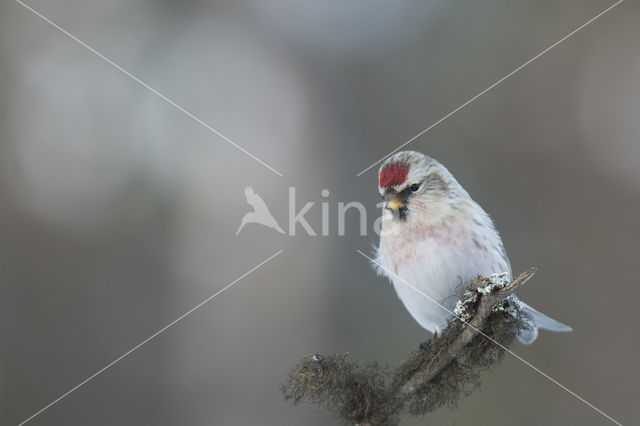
486 323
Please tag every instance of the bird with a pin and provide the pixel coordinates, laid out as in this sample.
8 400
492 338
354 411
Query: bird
436 238
260 213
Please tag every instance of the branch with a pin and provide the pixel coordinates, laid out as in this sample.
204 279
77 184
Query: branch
485 323
488 300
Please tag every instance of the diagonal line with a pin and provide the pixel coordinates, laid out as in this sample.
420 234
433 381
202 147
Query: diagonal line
145 85
494 85
497 343
145 341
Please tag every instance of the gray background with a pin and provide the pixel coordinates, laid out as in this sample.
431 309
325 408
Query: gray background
118 212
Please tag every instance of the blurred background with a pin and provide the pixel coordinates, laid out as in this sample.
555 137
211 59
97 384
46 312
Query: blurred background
118 213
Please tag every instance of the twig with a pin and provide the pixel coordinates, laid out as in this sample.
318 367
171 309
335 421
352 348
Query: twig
473 327
485 323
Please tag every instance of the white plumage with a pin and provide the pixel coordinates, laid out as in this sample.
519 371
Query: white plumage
437 239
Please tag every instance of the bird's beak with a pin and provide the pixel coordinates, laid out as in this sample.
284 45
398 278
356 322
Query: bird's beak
395 204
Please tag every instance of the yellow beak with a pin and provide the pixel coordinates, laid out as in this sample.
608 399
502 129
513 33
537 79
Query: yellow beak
394 204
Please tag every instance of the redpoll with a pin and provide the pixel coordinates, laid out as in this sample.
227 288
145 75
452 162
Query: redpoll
436 238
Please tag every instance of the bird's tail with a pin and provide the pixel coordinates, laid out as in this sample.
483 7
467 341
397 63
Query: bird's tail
538 320
277 227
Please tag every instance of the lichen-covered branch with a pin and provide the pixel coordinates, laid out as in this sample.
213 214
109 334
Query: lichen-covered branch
485 323
485 296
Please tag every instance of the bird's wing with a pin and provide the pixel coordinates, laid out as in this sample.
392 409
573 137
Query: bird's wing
249 194
254 199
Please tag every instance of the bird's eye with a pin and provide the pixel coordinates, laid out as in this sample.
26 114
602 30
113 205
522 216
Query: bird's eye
415 187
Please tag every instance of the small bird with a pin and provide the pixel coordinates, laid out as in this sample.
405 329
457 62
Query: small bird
436 238
260 213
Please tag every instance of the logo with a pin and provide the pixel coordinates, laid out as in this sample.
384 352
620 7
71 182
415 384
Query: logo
260 214
297 218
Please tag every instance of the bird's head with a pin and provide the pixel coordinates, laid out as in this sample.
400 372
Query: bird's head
414 185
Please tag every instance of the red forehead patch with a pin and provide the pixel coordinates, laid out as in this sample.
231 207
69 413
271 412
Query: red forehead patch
393 174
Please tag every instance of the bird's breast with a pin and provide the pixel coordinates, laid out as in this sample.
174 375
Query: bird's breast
418 244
